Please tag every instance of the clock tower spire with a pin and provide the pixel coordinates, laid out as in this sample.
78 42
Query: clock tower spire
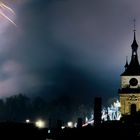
129 91
134 57
133 68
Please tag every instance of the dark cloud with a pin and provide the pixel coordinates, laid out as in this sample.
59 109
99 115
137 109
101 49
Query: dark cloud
75 48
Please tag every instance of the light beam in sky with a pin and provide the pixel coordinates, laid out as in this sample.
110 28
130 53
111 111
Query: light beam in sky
4 10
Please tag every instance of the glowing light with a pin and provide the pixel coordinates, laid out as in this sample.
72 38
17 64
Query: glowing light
27 121
49 131
40 124
63 127
112 112
70 124
75 124
117 104
5 10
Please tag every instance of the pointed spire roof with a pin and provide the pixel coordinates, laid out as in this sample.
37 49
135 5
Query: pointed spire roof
134 58
134 44
133 68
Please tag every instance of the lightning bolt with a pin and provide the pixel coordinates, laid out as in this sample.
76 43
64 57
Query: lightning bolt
5 8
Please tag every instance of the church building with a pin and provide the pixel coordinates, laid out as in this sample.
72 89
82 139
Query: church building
129 91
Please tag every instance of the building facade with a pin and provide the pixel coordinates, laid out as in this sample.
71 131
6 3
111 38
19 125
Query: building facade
129 91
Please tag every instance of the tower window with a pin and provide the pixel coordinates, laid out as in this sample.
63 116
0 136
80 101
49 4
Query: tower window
134 53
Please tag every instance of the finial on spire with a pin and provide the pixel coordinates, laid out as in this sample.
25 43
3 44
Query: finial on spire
134 24
134 44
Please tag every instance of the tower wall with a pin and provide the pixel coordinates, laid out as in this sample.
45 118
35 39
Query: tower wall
125 81
127 100
129 91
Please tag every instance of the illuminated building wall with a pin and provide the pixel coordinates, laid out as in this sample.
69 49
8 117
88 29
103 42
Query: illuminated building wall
129 91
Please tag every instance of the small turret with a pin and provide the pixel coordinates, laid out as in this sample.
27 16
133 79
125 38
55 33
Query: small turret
126 65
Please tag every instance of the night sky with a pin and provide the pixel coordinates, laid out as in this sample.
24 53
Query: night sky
66 48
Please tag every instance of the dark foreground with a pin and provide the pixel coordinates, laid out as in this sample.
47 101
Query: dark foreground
110 130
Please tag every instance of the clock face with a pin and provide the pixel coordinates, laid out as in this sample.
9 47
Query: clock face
133 81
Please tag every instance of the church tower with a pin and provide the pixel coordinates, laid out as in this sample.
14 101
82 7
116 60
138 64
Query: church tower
129 91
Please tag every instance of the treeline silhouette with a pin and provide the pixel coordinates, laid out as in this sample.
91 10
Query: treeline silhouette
21 107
